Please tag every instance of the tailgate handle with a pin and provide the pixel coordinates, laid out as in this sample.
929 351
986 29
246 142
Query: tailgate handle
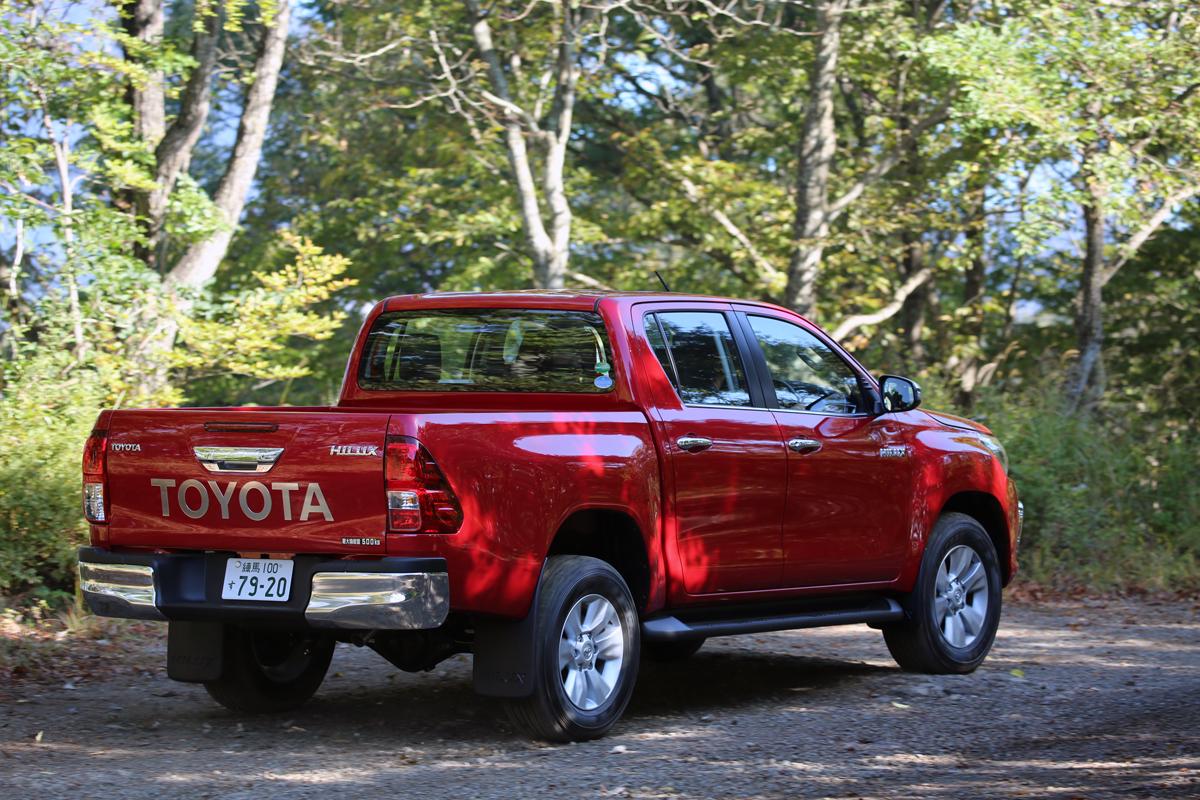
238 459
241 427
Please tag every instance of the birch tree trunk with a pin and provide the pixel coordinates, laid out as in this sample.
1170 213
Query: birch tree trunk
548 238
818 143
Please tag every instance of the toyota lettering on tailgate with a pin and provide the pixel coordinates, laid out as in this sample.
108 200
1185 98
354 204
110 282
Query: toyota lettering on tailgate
254 499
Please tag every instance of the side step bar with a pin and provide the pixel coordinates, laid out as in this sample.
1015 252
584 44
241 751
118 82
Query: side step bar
698 624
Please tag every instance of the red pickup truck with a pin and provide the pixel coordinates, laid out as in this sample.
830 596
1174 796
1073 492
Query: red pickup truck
559 484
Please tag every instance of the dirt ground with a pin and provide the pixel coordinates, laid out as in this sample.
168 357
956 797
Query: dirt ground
1087 699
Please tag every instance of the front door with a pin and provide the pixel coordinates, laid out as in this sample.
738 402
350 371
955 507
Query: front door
849 477
726 454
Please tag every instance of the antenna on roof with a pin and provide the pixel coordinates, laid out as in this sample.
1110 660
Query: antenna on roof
662 280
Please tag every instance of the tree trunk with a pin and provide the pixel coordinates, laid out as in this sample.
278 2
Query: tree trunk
973 289
199 264
173 145
1087 384
818 143
173 152
10 283
143 20
912 315
549 246
553 176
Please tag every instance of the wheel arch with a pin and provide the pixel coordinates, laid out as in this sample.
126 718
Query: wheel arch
985 509
610 535
505 650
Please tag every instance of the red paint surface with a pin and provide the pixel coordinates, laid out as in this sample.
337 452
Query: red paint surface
745 519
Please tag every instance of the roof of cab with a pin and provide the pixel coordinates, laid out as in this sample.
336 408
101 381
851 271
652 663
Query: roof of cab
540 298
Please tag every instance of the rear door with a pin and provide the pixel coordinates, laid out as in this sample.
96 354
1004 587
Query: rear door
724 450
279 481
849 478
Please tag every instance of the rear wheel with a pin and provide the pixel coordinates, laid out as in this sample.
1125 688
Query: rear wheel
270 671
671 651
954 607
587 655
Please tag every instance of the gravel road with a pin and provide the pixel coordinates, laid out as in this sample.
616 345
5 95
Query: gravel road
1089 699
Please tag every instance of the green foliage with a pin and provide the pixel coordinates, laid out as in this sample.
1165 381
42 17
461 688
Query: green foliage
1155 321
47 409
251 332
82 316
683 158
1110 502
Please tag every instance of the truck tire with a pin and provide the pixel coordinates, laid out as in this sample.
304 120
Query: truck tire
954 607
270 671
665 652
587 650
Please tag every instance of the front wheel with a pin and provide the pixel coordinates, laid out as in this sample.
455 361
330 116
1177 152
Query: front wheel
954 607
588 642
270 671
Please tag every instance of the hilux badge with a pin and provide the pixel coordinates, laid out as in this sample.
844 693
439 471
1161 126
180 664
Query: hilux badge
353 450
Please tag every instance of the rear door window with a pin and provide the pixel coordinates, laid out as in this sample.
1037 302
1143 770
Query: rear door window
698 352
487 350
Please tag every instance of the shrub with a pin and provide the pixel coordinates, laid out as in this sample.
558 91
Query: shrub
46 413
1110 498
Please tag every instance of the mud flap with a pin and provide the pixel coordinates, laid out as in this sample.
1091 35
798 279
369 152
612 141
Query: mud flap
506 654
195 651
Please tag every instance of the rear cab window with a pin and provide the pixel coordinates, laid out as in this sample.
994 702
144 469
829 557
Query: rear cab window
487 350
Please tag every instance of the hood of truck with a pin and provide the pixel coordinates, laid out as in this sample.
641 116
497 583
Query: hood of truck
270 481
962 423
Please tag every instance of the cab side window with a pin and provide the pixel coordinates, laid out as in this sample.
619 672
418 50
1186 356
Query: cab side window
806 373
699 355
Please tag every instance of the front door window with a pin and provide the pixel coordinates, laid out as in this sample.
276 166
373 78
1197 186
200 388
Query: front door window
806 373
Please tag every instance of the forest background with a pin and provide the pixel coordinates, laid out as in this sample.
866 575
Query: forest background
199 201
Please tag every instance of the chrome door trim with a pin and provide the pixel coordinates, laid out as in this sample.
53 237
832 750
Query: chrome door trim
821 413
803 446
238 459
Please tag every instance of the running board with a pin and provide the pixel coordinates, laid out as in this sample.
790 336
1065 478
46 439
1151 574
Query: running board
722 622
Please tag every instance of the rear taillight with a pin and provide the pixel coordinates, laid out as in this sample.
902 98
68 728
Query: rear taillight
419 498
94 473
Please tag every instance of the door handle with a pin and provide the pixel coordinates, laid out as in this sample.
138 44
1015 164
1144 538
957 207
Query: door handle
693 444
803 446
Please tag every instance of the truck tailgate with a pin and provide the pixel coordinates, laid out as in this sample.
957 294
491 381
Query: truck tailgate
270 480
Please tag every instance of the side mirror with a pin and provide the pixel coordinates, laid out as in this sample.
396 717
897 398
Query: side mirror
899 394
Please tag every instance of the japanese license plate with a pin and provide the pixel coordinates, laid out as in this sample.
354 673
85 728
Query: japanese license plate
257 579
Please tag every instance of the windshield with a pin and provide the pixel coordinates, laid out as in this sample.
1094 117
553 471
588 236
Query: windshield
487 350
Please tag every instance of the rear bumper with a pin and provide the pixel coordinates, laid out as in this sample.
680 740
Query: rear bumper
378 594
